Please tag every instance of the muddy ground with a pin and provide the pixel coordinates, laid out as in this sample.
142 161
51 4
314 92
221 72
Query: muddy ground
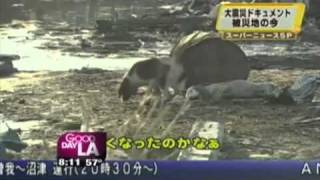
44 104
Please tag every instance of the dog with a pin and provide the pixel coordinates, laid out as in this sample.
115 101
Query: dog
212 60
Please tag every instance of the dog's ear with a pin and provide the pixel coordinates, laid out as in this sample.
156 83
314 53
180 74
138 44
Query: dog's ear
124 91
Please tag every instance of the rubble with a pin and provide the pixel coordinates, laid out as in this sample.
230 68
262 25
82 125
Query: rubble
9 139
304 89
6 66
185 24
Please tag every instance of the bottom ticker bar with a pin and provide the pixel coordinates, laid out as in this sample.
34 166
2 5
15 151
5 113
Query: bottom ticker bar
198 170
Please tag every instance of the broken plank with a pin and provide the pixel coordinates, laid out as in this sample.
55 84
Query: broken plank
166 23
283 62
308 121
8 57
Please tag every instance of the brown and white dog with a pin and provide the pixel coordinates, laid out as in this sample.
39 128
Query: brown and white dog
151 73
211 61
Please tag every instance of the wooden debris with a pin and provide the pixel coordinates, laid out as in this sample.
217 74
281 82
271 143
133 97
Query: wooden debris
283 62
6 66
308 121
8 57
166 23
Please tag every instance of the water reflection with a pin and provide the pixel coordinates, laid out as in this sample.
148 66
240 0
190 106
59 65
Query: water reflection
21 42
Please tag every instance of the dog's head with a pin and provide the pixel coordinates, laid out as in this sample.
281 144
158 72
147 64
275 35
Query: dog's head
127 89
140 74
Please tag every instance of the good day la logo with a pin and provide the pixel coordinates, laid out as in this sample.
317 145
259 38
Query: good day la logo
78 142
82 144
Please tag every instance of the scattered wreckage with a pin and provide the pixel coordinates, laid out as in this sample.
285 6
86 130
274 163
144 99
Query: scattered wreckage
9 139
6 66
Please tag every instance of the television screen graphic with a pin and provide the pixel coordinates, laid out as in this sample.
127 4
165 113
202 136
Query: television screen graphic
159 89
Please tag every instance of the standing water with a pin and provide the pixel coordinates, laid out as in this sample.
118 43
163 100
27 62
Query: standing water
23 43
